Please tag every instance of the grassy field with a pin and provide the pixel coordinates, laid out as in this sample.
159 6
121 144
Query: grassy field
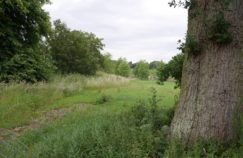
96 110
95 117
22 103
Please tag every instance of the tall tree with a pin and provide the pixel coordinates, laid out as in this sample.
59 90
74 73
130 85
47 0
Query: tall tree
75 51
212 81
23 24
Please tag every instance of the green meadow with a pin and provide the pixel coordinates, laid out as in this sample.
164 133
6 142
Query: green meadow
77 116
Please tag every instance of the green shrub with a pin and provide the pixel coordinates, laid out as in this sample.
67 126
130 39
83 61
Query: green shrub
103 99
191 46
172 69
27 67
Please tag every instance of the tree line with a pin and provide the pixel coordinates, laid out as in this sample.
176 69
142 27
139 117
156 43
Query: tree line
32 49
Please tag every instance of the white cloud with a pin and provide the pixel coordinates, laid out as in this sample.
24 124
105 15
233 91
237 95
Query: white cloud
135 29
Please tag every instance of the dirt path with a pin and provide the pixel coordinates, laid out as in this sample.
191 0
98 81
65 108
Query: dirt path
46 118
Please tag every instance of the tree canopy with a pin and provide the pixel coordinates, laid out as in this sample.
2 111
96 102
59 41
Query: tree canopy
75 51
23 25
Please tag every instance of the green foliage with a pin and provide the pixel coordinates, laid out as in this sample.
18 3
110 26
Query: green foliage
75 51
122 68
141 70
99 131
162 73
183 3
220 30
202 148
154 64
108 65
29 67
103 99
97 134
238 123
23 25
226 3
20 103
175 149
172 69
191 46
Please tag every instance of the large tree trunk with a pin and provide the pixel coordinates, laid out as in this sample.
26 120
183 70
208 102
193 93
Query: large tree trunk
212 83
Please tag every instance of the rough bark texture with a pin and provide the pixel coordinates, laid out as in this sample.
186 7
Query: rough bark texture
212 83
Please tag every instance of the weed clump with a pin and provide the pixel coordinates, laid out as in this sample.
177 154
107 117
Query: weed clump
103 99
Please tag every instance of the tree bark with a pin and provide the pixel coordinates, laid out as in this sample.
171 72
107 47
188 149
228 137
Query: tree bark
212 82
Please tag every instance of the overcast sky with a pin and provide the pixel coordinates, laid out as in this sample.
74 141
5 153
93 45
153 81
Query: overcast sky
134 29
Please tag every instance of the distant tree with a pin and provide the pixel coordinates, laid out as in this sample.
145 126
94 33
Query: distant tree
108 65
154 64
141 70
162 72
23 24
123 68
75 51
172 69
132 65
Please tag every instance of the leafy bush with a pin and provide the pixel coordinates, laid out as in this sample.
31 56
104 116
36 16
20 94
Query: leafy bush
172 69
103 99
27 67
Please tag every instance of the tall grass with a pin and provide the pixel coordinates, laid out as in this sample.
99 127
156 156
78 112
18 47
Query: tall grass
99 135
141 131
21 102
